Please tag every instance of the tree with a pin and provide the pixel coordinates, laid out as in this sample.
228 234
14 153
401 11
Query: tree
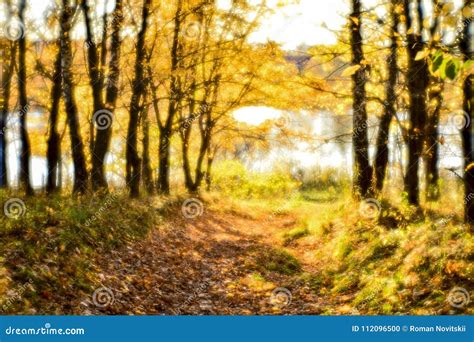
80 171
362 168
467 131
210 90
435 102
166 127
138 89
25 154
54 139
381 152
198 109
7 57
417 82
103 113
147 173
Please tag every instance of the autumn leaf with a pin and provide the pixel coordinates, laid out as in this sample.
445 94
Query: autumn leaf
355 20
422 54
469 167
350 70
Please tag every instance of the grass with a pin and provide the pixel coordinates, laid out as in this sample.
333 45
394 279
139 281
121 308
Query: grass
55 243
404 261
386 265
295 234
277 260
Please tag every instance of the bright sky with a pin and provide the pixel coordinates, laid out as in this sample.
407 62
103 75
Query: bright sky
291 25
306 22
255 115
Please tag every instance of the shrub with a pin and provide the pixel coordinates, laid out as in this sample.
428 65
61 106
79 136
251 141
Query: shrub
232 178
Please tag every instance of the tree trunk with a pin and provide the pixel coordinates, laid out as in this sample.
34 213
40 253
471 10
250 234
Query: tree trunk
431 144
381 153
185 133
80 170
53 148
206 136
435 101
96 82
25 155
193 185
362 169
417 83
467 132
8 56
93 62
104 130
166 130
133 160
146 164
163 184
210 161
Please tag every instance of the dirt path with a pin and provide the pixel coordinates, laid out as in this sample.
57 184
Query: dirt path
200 266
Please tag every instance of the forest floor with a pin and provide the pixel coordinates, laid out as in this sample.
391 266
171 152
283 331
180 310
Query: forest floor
309 254
252 257
204 266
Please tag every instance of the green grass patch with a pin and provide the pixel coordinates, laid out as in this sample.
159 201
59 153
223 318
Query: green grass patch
295 234
279 261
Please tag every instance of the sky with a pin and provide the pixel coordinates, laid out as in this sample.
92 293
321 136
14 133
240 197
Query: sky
291 25
307 22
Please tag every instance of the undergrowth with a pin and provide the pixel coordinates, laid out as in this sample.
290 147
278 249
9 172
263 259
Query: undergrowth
403 261
49 251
